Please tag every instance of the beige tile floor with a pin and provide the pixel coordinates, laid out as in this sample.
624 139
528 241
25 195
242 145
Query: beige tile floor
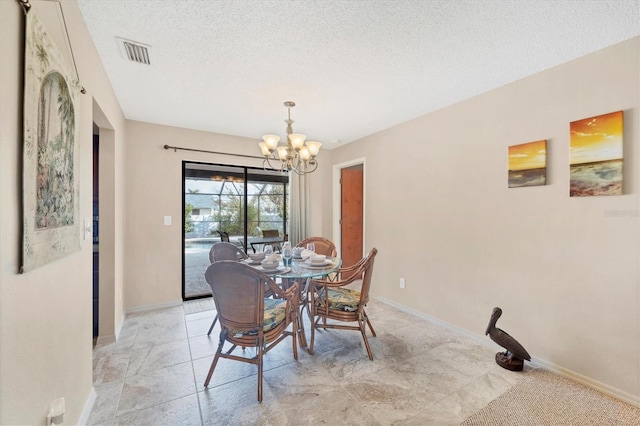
422 374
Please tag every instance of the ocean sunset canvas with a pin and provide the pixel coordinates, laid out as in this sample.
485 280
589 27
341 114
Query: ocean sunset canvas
528 164
596 155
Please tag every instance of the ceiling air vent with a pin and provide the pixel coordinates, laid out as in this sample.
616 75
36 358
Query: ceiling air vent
134 51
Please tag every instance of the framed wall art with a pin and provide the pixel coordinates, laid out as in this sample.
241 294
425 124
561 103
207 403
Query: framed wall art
51 228
596 155
528 164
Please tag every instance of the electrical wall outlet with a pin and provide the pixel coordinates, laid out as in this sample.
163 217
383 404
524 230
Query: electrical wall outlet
402 283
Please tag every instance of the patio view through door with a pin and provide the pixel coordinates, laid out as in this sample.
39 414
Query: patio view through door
239 201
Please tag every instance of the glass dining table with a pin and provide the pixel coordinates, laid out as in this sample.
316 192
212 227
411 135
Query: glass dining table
302 271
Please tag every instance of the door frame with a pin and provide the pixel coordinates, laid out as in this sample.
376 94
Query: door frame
110 300
337 202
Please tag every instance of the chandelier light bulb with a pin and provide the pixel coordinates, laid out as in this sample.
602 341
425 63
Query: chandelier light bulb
271 141
297 141
304 154
265 149
314 148
283 152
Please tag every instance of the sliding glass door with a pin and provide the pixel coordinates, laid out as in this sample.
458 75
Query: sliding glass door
221 201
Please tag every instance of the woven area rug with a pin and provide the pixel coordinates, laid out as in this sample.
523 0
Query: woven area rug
544 398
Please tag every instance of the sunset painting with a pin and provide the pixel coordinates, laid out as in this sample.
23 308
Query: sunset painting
596 156
528 164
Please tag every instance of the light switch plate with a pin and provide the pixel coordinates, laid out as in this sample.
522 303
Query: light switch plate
86 228
167 220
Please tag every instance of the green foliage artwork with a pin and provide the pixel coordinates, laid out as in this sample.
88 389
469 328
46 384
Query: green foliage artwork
51 228
56 121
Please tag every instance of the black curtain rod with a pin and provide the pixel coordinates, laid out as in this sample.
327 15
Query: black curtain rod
176 148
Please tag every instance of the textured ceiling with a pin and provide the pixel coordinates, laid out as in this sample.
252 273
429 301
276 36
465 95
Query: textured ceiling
352 67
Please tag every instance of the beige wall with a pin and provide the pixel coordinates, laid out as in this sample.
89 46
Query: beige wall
153 250
46 314
564 270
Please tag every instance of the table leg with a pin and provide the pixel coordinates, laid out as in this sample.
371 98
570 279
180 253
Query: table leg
302 338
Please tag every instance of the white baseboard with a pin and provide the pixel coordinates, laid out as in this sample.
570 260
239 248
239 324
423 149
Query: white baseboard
591 383
105 340
88 406
473 336
119 329
145 308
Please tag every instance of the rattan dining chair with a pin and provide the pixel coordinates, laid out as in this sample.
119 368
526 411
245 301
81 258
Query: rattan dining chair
322 246
224 251
272 233
247 317
330 300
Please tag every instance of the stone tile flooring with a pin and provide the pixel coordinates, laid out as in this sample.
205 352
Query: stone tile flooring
422 374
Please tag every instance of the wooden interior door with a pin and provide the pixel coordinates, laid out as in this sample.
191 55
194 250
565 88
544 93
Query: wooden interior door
351 220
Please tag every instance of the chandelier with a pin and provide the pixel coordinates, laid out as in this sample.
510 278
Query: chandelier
296 155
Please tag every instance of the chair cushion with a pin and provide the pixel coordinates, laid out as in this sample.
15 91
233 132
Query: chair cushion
274 314
342 299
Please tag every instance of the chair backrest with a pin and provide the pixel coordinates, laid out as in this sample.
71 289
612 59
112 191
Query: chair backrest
226 251
267 233
367 273
323 246
224 236
238 292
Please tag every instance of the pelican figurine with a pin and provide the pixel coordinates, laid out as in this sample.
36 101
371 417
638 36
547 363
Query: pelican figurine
513 358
